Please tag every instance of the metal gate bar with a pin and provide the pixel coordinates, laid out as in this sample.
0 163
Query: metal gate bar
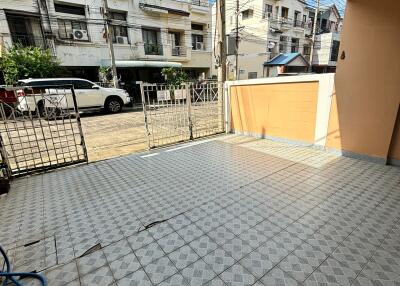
41 130
180 113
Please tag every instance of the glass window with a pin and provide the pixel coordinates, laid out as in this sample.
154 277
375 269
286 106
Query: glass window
197 27
197 42
252 75
82 84
65 28
335 50
69 9
285 12
267 13
246 14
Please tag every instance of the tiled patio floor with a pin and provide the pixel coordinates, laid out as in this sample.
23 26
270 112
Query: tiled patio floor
237 211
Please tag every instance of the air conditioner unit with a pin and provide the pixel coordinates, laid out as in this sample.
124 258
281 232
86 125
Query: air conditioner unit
80 35
199 46
122 40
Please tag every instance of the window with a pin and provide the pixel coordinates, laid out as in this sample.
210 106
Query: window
285 12
295 45
252 75
267 13
282 47
197 27
119 30
66 27
324 24
197 42
150 39
304 19
306 50
284 38
82 84
335 51
68 9
246 14
297 19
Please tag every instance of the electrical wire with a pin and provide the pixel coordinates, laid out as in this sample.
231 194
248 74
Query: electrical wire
10 276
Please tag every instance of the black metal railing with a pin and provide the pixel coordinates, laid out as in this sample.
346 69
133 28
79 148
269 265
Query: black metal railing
31 40
203 3
298 24
153 49
178 51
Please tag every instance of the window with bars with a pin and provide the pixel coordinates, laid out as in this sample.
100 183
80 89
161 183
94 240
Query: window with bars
120 30
295 45
267 13
66 27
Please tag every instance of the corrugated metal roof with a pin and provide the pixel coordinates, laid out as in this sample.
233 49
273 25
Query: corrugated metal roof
281 59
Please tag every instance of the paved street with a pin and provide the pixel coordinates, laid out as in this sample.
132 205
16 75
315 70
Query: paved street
112 135
229 211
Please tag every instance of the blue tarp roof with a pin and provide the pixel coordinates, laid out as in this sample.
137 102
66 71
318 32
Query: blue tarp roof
282 59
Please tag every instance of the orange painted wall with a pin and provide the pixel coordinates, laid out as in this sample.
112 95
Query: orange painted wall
286 110
394 151
367 81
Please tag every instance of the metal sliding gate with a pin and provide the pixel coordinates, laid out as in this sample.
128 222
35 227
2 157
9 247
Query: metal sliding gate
179 113
40 129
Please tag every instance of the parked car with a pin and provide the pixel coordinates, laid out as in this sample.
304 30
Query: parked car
89 96
8 99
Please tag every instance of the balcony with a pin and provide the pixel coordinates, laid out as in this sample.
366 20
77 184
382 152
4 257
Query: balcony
179 51
32 41
202 3
153 49
298 25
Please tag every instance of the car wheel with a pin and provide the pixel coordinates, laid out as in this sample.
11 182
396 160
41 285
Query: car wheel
113 105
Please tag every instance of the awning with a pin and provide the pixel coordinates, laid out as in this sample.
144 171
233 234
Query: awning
147 64
286 59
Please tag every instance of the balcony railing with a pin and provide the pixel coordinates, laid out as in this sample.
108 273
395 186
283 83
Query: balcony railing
153 49
178 51
30 40
203 3
298 24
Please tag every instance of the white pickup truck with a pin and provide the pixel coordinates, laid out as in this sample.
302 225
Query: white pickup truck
88 95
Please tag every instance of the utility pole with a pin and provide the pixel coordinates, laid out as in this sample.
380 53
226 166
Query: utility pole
222 40
313 35
109 31
237 41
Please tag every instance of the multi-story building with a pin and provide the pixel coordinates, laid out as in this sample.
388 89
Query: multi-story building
147 34
268 28
327 41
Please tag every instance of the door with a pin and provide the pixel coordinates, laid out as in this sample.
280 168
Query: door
86 95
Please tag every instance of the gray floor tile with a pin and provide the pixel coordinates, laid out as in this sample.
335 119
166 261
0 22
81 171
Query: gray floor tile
160 269
219 260
124 265
183 257
149 253
101 276
138 278
91 262
203 245
198 273
170 242
62 274
237 276
278 277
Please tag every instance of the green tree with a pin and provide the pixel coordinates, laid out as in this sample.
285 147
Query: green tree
174 76
28 62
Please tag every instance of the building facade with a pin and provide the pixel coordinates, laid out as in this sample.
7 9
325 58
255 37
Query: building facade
268 28
147 34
